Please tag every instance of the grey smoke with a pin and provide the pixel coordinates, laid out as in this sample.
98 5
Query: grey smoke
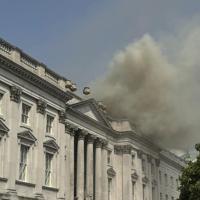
155 84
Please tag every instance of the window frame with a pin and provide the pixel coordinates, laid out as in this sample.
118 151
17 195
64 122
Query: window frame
48 169
49 128
25 116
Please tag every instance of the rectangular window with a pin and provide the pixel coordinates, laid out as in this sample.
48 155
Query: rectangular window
49 124
160 177
166 180
161 198
143 165
109 188
23 162
109 158
48 168
133 190
1 103
172 181
152 169
25 113
132 160
166 197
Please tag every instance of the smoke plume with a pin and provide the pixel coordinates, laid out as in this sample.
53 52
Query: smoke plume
155 84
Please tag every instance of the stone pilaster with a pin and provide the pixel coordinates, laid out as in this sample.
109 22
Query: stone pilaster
98 170
90 170
104 171
80 165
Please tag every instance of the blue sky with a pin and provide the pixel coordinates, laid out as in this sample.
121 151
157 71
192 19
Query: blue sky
78 38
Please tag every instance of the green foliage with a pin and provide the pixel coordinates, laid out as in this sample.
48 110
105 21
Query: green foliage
190 180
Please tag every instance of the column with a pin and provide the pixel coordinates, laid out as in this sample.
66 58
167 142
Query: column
80 165
104 171
39 168
98 170
89 170
71 163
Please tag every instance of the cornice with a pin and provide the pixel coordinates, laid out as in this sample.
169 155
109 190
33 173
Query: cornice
34 79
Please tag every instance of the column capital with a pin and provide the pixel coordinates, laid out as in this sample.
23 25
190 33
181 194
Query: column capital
82 134
104 143
71 129
41 106
91 138
99 142
15 93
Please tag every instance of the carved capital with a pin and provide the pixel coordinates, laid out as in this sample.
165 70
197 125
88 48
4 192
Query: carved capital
139 154
91 138
104 144
123 149
41 106
71 129
82 134
62 116
15 94
99 142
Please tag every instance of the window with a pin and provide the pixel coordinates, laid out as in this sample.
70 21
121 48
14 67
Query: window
172 198
161 198
133 190
49 124
144 191
48 168
160 177
25 113
23 162
166 181
172 181
1 103
152 169
177 184
109 188
132 160
143 165
109 158
166 197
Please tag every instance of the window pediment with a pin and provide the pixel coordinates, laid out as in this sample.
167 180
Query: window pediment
51 145
27 137
3 129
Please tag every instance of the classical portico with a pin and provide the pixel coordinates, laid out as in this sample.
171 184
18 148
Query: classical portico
90 165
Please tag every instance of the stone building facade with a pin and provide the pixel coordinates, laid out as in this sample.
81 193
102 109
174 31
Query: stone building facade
55 145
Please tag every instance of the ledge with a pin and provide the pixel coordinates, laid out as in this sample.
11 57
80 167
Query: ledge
2 179
18 182
50 188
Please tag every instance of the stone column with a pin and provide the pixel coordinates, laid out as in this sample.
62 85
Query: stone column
71 162
90 170
104 171
80 165
98 170
14 121
40 163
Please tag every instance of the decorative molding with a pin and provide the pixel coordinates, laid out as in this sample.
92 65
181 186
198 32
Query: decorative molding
41 106
145 180
15 93
134 176
62 116
111 172
50 188
123 149
34 79
19 182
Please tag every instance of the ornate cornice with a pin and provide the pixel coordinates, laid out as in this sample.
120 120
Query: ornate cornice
15 93
41 106
34 79
62 116
123 149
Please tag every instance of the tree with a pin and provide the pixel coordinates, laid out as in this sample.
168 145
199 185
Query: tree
190 179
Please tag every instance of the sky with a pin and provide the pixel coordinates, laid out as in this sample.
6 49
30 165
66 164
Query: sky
79 38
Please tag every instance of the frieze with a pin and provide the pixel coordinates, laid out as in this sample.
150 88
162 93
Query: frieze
41 106
15 93
123 149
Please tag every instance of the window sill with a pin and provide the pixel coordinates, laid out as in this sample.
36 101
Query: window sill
2 179
50 188
26 126
19 182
